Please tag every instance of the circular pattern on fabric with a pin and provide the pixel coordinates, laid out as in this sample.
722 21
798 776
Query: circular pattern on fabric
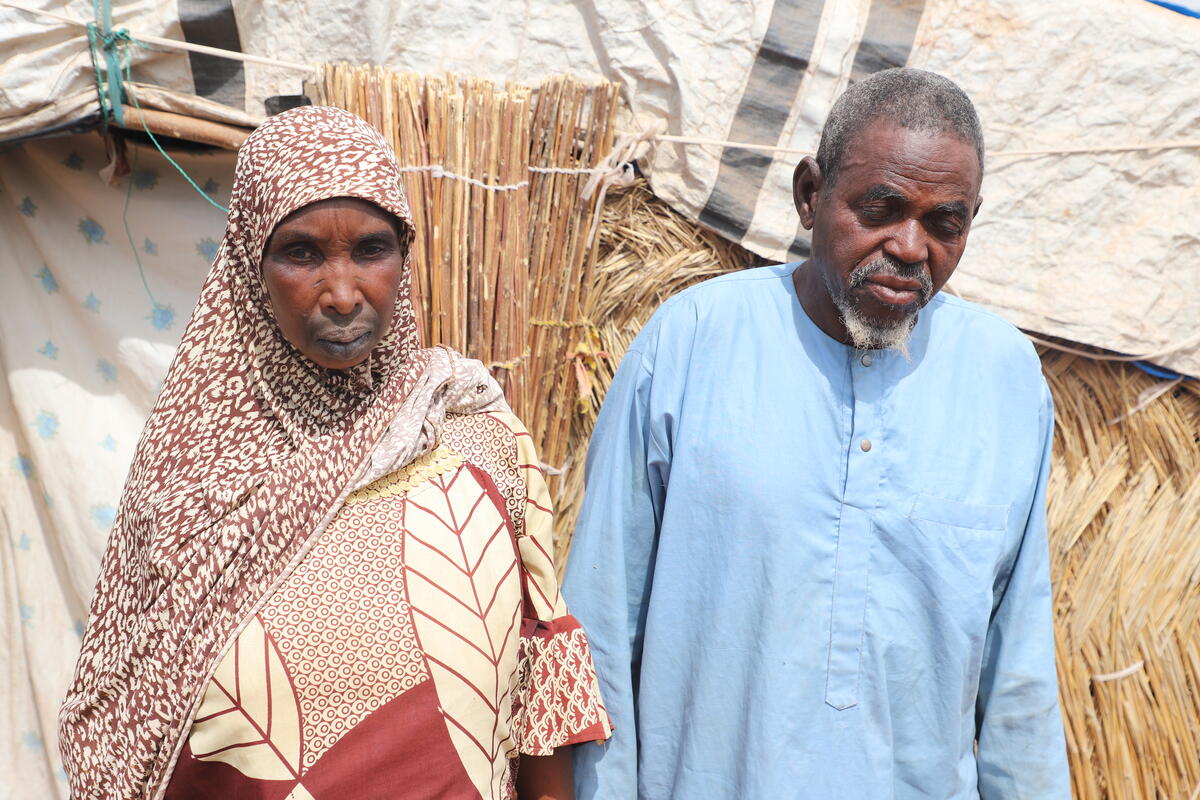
488 443
343 624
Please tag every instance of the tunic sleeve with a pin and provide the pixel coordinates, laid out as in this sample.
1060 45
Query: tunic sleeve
558 699
1019 729
612 562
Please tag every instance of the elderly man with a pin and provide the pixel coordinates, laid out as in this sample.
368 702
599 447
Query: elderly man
812 560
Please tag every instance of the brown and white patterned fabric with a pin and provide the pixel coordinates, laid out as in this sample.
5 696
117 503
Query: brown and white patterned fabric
420 646
249 452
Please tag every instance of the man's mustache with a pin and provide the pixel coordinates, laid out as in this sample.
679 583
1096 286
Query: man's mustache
889 265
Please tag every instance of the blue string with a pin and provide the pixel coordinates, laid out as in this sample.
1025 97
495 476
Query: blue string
186 177
101 96
1160 372
115 46
129 234
1187 12
110 44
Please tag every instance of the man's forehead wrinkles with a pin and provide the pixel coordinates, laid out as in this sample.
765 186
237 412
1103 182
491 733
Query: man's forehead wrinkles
927 169
924 173
905 157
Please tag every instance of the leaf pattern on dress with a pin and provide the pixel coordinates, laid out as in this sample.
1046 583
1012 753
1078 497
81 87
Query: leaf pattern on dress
535 538
464 588
267 742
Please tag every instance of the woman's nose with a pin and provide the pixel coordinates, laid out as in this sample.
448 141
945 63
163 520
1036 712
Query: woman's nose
342 294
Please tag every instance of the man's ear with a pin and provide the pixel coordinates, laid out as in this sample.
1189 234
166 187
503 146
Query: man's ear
807 182
978 203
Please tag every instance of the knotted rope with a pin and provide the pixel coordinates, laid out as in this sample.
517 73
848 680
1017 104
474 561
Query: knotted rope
616 169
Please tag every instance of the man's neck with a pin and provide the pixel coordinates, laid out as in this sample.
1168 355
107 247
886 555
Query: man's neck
816 302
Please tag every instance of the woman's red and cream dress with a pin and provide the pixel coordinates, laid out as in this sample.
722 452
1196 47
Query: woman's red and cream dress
416 651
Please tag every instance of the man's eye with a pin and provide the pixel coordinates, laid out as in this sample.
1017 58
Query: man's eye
875 211
947 227
371 249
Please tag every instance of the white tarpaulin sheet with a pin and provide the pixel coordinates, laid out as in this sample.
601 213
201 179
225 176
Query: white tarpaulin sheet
1098 247
85 339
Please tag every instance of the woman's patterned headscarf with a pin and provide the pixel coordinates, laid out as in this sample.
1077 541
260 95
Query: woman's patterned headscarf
247 455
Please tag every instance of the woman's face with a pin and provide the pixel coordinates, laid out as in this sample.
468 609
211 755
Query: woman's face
332 271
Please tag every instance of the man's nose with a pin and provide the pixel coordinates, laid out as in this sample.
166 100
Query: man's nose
342 294
908 243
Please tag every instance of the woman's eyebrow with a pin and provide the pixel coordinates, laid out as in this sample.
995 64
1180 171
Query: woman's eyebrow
382 233
290 235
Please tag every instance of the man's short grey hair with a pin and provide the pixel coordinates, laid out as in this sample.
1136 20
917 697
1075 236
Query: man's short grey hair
910 98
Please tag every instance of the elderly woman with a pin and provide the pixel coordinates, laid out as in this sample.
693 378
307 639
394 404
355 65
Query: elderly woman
330 573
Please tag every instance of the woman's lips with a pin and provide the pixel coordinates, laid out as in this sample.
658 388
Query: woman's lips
340 346
343 337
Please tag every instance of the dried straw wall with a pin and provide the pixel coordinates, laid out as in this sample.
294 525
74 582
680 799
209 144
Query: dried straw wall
510 277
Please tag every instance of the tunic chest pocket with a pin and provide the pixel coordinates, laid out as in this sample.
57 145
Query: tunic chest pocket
930 572
940 566
957 547
956 514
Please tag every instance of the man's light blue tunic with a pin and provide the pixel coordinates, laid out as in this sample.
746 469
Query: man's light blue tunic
816 573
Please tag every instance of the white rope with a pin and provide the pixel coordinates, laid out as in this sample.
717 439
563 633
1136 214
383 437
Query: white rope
563 170
615 169
1176 144
1184 344
438 171
1119 674
1147 397
1170 144
173 44
700 140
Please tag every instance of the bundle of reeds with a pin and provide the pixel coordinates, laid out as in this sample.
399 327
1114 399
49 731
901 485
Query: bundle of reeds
572 132
494 176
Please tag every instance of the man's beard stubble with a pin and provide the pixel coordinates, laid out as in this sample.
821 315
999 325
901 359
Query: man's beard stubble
867 333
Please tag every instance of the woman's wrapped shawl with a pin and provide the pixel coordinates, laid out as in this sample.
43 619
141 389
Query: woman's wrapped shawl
248 453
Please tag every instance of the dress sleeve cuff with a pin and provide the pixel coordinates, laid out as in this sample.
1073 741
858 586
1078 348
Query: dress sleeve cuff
558 698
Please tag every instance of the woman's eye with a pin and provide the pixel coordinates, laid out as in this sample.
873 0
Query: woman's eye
373 249
299 253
